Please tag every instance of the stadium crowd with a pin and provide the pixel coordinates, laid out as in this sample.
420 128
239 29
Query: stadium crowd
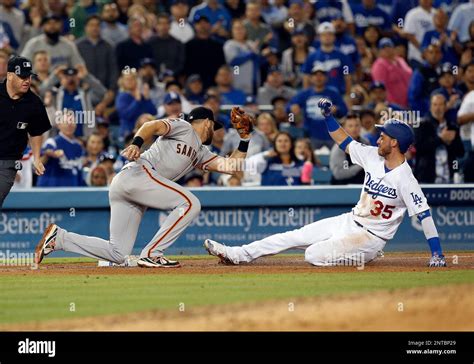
105 68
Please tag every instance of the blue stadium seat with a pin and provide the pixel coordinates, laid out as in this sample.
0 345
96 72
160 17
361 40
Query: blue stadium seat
322 176
324 159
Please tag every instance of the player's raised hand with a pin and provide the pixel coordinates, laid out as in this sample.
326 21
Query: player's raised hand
437 261
132 152
325 105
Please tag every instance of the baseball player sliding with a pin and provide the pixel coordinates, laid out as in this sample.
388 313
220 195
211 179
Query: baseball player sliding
148 181
388 191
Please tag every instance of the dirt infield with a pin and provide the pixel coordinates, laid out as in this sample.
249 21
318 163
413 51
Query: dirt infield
392 262
422 309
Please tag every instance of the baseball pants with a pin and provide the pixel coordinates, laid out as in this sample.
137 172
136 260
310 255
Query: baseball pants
332 241
131 192
7 178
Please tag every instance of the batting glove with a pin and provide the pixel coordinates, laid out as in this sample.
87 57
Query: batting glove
437 261
325 105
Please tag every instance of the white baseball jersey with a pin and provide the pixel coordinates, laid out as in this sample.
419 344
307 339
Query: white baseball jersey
385 196
178 151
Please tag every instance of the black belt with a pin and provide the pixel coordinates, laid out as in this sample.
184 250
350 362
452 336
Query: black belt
362 226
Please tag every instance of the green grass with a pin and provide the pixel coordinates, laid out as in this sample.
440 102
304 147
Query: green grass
27 298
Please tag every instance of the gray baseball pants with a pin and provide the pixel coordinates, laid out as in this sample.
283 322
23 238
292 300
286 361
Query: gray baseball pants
131 192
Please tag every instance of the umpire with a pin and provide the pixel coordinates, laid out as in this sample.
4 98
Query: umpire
22 117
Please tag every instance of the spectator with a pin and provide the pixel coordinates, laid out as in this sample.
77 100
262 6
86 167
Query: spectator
62 155
304 152
203 55
378 95
174 86
123 6
14 18
372 35
112 30
304 104
294 57
147 76
172 106
97 177
180 27
460 20
61 50
368 121
129 52
274 87
168 52
94 147
437 144
236 8
79 92
193 179
98 54
229 94
41 66
446 38
107 161
368 13
425 80
3 64
130 102
7 38
296 22
80 13
448 88
278 166
269 59
24 177
327 10
393 72
418 21
212 101
468 78
218 16
466 120
273 15
279 110
194 91
345 42
243 56
343 170
257 31
267 125
338 66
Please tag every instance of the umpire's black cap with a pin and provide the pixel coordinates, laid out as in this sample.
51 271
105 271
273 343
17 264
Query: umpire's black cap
20 66
202 112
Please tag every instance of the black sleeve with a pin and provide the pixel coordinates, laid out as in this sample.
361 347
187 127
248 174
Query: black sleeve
39 122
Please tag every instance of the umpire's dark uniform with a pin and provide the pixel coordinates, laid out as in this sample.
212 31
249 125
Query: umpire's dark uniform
18 118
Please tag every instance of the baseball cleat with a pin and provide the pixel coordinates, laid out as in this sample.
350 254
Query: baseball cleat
218 250
157 262
45 246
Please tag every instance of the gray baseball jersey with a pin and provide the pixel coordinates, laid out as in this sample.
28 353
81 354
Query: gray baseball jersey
178 151
148 182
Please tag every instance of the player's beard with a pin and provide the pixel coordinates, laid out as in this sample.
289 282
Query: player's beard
208 140
383 152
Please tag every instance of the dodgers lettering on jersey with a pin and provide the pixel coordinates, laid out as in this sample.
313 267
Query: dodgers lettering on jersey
178 151
385 196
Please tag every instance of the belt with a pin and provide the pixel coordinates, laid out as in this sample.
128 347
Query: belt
363 227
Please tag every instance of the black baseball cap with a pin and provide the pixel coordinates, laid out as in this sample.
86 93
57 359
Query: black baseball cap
202 112
20 66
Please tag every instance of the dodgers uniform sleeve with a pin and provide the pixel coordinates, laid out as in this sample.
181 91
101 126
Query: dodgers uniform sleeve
39 122
360 153
206 158
413 197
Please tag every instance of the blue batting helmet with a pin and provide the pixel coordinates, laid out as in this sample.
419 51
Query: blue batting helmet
400 131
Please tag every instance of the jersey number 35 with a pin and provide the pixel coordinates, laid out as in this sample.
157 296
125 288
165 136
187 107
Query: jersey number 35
379 208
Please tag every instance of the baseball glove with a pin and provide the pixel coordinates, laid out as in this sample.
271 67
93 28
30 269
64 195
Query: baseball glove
241 122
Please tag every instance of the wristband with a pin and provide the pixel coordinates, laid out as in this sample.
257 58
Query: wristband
345 143
243 146
331 123
138 141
